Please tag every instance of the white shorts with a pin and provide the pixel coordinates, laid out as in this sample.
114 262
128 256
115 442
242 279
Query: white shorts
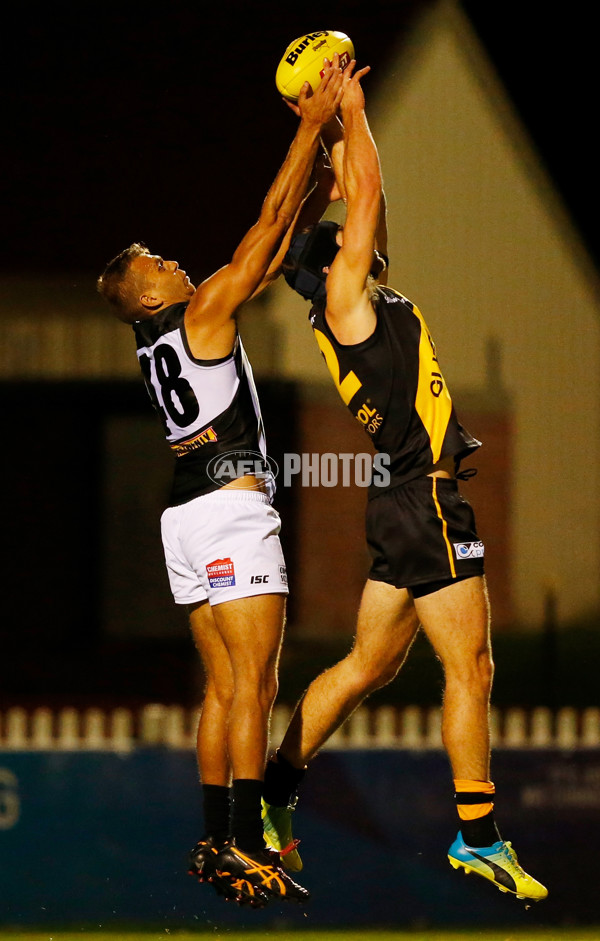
222 546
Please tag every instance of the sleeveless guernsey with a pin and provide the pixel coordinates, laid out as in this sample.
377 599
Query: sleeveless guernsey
393 385
208 408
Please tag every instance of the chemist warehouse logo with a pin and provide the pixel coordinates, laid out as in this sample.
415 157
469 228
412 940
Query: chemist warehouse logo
469 550
221 573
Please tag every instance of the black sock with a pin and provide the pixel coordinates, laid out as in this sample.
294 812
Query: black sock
475 806
217 810
281 781
480 832
246 822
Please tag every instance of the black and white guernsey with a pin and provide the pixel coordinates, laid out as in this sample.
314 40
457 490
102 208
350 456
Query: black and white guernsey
208 408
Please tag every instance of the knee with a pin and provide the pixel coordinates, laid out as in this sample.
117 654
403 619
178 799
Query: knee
370 675
269 687
485 659
384 675
474 671
485 667
220 692
258 682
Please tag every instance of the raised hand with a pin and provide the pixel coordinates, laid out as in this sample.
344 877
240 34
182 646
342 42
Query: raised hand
352 92
322 104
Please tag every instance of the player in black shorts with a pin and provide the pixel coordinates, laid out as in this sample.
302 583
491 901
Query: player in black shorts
427 558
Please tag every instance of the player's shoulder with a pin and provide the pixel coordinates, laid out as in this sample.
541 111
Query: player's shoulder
391 295
149 331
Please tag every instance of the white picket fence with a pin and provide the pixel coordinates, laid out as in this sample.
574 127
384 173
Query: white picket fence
411 727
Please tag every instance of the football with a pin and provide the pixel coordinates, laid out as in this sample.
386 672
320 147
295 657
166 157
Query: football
302 61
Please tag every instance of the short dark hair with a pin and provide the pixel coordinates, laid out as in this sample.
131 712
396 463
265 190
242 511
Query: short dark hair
118 288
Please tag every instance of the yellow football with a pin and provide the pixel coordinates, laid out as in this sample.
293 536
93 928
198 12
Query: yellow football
302 61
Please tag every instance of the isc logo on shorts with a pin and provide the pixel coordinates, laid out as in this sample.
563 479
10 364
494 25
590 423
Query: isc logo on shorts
221 573
469 550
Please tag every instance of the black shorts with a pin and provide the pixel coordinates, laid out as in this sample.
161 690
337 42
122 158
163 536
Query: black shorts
422 536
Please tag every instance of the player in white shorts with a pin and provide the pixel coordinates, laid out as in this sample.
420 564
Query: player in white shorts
223 546
220 531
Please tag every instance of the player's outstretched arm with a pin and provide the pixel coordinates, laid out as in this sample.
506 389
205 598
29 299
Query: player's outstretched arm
327 176
209 318
333 141
322 191
334 189
349 310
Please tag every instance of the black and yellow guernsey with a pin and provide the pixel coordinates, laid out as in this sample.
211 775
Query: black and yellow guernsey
393 385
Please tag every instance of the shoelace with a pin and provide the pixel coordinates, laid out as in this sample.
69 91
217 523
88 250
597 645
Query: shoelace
511 858
289 848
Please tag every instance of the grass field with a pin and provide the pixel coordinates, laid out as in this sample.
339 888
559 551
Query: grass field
526 934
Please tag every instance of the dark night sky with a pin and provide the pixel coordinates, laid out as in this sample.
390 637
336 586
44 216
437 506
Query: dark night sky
163 123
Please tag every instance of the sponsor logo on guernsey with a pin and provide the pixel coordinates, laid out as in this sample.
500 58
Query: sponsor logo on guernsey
184 447
369 417
469 550
221 573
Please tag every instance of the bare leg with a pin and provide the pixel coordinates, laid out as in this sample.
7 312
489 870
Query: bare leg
457 622
252 631
239 642
387 624
211 744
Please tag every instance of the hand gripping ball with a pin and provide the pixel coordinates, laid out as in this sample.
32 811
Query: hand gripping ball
302 61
